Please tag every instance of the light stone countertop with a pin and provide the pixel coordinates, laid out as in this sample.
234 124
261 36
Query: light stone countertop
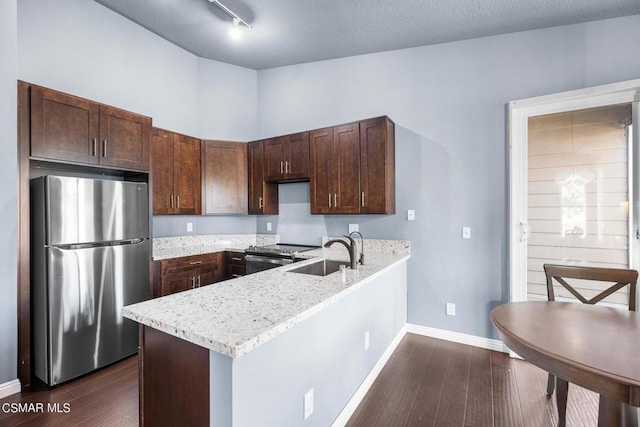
235 316
176 247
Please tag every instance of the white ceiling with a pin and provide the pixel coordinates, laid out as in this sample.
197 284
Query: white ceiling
289 32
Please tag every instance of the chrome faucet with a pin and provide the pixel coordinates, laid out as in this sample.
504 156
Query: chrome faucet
351 247
361 257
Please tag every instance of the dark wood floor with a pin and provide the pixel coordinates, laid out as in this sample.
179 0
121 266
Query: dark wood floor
108 397
430 382
427 382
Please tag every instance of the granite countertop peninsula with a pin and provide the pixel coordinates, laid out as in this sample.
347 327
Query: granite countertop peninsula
175 247
235 316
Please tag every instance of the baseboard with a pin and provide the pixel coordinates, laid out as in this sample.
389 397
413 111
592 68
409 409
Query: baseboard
487 343
9 388
361 392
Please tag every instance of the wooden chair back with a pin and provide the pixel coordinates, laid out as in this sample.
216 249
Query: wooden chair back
619 277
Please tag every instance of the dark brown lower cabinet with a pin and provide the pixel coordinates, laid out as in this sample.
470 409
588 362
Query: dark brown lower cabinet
174 381
236 264
184 273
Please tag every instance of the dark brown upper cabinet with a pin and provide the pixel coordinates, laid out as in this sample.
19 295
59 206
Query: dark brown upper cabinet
377 166
224 174
335 170
263 196
287 158
175 173
353 168
71 129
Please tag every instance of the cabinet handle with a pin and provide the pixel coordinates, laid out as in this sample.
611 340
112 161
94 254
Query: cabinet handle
329 199
335 200
104 148
178 197
171 197
95 147
286 167
236 259
281 168
236 275
198 281
195 262
260 202
193 282
363 199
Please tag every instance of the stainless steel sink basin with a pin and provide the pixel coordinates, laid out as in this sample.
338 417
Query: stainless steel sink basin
320 268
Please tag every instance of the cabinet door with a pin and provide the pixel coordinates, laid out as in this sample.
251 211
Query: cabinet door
263 196
297 156
346 169
212 271
377 163
186 166
255 159
124 139
274 159
225 177
63 127
171 283
162 171
321 191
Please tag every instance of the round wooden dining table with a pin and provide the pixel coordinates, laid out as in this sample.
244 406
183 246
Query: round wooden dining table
595 347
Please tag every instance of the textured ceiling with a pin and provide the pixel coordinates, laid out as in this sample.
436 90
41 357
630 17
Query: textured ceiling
289 32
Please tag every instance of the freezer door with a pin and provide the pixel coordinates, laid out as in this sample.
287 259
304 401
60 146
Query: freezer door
86 290
82 210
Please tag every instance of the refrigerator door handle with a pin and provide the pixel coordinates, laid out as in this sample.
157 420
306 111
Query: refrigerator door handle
97 245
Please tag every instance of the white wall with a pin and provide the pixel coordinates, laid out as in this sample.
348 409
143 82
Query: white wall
85 49
325 352
227 101
454 97
9 193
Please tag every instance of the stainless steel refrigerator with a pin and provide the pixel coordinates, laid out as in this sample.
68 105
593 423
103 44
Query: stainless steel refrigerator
89 258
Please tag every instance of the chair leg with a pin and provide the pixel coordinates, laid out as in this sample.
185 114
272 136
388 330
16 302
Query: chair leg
551 384
562 390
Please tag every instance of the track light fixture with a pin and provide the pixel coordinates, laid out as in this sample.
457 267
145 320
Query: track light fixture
236 20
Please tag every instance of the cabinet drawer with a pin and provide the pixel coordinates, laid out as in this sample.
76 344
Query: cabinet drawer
236 258
174 265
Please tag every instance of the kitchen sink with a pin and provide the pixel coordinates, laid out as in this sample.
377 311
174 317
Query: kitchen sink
320 268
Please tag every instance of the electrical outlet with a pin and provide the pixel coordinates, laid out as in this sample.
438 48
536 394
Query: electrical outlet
352 228
366 341
466 232
308 404
268 226
411 215
189 226
451 309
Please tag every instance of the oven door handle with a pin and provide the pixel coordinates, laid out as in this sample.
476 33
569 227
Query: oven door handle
268 260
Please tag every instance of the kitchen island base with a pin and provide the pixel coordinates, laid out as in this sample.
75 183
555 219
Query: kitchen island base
266 386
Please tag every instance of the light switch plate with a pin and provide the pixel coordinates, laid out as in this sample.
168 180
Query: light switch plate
411 215
189 226
268 226
466 232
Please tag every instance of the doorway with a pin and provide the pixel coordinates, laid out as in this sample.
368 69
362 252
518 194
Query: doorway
572 187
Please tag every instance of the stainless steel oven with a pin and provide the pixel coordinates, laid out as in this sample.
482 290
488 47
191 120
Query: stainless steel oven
260 258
